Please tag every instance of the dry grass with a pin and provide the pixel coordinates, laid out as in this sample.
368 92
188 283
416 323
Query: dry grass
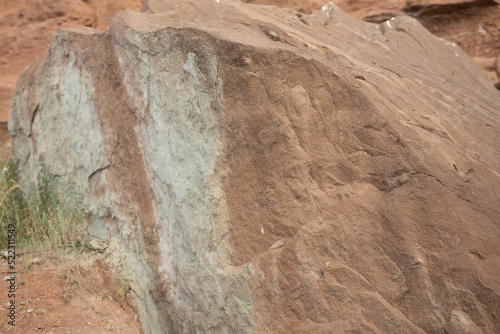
44 218
52 226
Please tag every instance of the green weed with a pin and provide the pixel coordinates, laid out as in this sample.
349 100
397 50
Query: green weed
44 218
54 224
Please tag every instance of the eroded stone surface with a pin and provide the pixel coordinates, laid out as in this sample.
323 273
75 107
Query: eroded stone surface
473 24
273 172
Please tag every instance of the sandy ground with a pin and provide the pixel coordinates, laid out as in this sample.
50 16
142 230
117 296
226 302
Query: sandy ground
71 297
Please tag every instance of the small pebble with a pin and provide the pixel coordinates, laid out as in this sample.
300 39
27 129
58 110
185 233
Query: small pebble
30 310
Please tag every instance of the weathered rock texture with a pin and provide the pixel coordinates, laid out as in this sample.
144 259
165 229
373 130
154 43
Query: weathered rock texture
273 172
473 24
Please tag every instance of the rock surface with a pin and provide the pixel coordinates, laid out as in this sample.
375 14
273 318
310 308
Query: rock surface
473 24
273 172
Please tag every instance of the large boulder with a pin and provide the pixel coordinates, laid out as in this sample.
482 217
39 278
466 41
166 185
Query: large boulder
272 172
